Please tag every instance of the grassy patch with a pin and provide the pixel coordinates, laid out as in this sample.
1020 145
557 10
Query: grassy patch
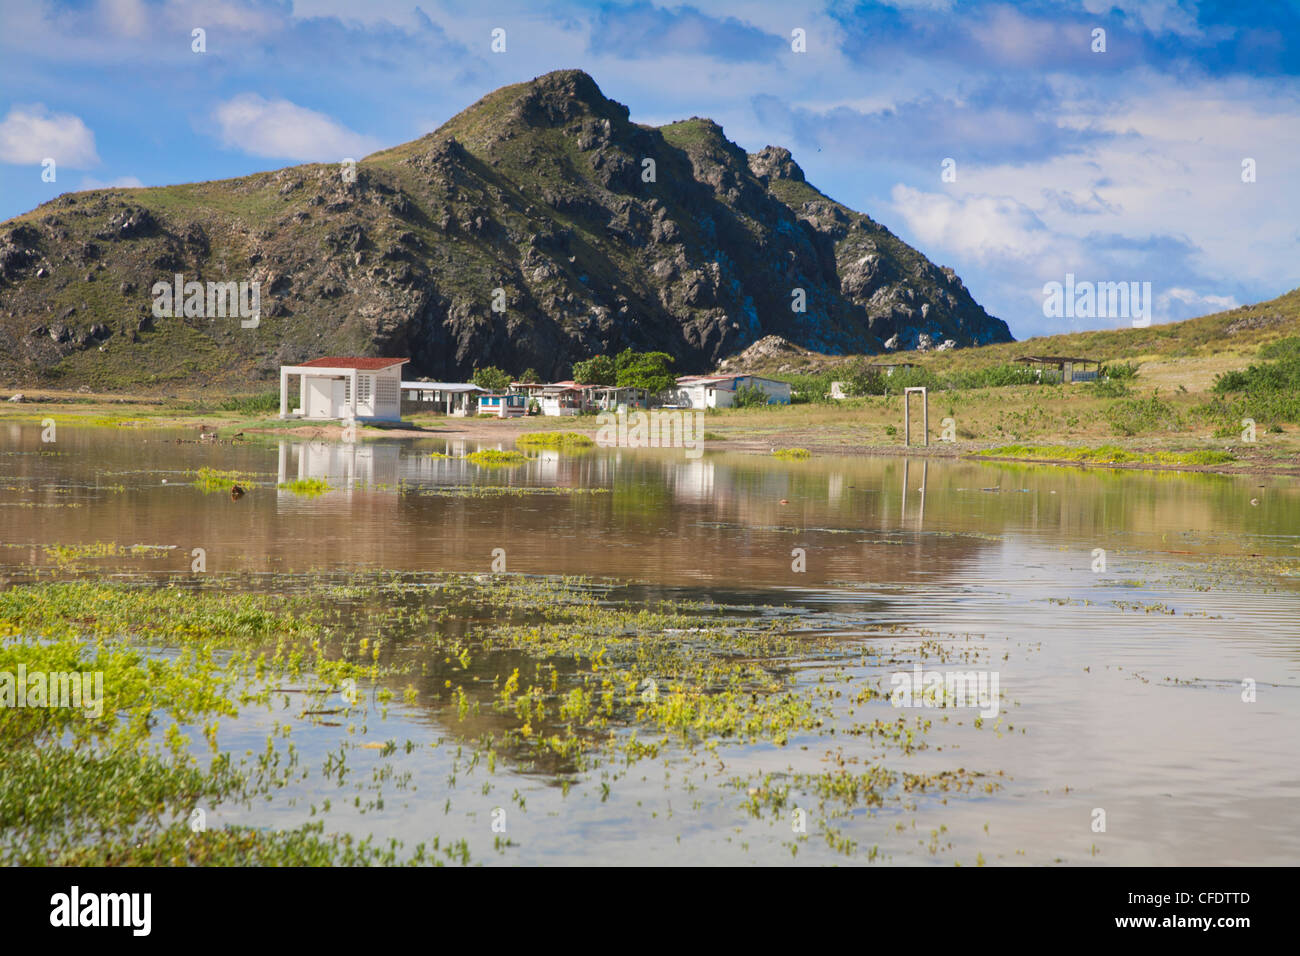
792 454
493 458
562 440
1108 454
306 487
1133 416
209 480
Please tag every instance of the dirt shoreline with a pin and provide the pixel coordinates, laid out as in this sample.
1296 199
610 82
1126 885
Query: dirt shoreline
488 430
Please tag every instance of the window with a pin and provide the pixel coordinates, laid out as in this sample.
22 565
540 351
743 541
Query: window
386 391
363 389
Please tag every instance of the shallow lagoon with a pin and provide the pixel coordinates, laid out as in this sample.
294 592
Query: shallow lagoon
1121 688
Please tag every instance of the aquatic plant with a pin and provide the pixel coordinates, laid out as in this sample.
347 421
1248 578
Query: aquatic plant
562 440
306 487
1108 454
209 480
494 458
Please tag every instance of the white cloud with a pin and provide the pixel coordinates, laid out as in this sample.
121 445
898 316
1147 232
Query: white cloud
1158 16
990 230
1200 303
29 134
283 130
121 182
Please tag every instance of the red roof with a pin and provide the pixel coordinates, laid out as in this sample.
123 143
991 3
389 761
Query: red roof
361 364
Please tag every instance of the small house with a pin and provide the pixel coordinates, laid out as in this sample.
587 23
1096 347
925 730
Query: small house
449 398
609 398
343 387
719 391
1059 368
563 398
503 405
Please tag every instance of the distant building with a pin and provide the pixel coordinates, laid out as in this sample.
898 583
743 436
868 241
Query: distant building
719 391
343 387
1059 368
558 398
503 405
608 398
450 398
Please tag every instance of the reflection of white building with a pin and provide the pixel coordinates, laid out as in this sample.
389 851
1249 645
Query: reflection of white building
341 466
693 481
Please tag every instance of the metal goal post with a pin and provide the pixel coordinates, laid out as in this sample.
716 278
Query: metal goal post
907 417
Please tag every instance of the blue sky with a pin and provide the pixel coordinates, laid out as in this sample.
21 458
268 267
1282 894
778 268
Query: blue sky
1122 165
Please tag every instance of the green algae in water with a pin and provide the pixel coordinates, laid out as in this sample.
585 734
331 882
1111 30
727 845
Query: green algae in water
210 480
306 487
494 458
561 440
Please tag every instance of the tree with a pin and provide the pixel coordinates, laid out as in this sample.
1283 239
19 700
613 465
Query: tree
597 370
531 376
749 396
862 379
645 370
491 378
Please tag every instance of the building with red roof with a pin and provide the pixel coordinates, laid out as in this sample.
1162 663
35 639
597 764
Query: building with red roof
355 388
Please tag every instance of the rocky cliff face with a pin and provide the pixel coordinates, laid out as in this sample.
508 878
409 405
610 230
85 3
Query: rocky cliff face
538 227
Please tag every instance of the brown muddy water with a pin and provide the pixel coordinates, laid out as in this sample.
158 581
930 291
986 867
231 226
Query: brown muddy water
1124 615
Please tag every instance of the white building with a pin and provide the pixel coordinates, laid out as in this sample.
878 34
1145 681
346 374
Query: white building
450 398
362 389
719 391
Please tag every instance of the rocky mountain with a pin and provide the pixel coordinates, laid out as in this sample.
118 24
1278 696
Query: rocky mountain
538 227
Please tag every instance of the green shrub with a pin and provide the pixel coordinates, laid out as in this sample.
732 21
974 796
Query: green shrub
909 378
1133 415
259 404
994 376
1288 348
491 378
749 396
1119 371
1268 392
810 389
1108 388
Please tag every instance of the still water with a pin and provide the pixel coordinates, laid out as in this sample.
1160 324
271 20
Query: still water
1127 615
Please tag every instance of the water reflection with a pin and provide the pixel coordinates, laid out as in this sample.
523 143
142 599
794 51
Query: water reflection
1127 681
646 515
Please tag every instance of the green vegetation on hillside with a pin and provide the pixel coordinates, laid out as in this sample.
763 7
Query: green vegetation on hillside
1268 392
